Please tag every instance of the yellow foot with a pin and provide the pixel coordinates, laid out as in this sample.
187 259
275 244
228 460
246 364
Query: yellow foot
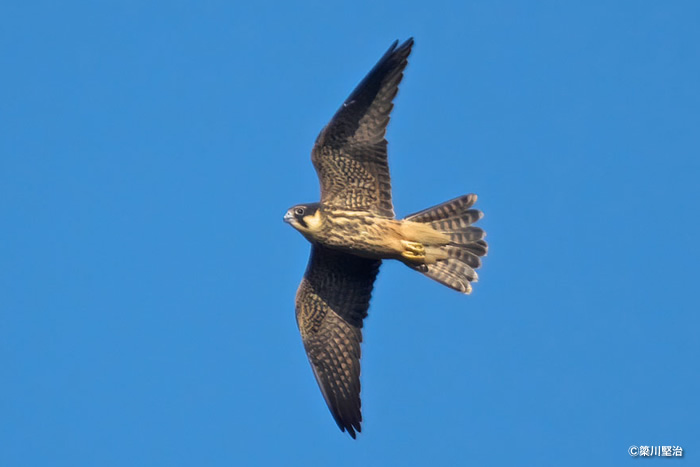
413 251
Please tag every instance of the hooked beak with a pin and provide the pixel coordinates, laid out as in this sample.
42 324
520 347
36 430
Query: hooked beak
288 217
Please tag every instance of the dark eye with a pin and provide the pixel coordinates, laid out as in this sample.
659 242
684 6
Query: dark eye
299 211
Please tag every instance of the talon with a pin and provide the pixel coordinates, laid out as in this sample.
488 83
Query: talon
416 248
413 250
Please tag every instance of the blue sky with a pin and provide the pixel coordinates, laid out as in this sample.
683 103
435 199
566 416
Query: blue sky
148 151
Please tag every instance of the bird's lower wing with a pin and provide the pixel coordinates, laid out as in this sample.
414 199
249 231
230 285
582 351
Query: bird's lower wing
331 303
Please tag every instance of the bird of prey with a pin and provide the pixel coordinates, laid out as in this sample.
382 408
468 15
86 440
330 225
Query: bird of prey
353 228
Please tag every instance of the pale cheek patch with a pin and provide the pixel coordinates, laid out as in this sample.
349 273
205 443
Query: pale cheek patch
313 222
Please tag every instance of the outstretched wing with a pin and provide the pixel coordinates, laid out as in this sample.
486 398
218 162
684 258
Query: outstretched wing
350 154
331 303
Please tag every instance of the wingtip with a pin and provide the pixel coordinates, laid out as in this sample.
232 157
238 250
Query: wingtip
352 426
350 429
407 44
353 430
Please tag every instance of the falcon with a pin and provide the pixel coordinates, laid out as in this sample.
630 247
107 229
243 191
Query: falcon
353 228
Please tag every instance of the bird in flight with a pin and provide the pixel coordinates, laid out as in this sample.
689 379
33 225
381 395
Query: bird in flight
353 228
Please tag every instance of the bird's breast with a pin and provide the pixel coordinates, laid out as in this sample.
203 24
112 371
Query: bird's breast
359 233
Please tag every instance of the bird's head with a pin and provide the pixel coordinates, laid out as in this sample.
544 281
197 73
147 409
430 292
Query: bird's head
306 218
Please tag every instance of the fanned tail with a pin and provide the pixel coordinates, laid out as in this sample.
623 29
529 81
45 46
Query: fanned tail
454 218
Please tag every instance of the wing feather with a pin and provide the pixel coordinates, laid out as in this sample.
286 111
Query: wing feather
350 154
331 304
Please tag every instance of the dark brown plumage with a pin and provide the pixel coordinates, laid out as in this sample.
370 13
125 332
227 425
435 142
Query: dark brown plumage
353 228
331 303
350 153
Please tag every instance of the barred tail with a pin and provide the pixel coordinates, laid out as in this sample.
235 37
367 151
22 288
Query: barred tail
454 218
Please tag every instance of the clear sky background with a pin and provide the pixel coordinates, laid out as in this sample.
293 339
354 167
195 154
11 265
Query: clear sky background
148 151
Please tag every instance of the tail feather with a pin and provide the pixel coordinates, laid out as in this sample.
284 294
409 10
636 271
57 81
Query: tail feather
460 221
465 236
454 218
463 255
479 248
447 210
454 274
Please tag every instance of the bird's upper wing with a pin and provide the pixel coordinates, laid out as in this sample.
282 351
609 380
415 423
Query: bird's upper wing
350 154
331 303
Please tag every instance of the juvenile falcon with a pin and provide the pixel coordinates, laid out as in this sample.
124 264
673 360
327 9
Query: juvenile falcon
353 229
